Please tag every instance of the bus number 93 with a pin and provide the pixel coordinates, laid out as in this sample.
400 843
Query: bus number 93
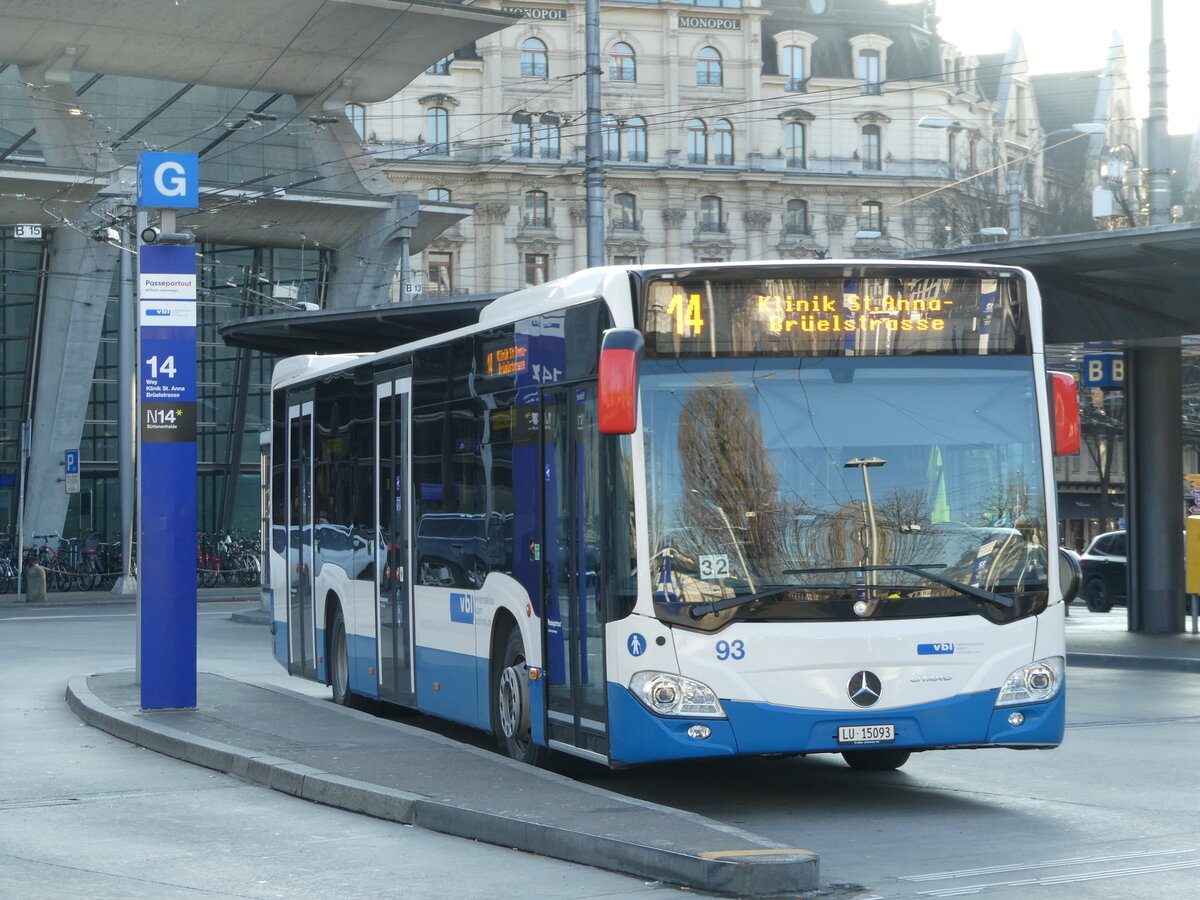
730 650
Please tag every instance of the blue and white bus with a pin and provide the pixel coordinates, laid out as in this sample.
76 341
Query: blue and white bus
652 513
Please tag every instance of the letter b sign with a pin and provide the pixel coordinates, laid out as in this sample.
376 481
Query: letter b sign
168 181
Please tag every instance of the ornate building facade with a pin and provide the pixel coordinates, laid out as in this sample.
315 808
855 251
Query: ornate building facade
732 129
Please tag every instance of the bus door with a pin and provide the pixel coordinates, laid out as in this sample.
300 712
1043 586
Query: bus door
302 637
393 540
577 713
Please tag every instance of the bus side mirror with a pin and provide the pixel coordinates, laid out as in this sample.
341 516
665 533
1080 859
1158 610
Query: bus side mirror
620 350
1065 400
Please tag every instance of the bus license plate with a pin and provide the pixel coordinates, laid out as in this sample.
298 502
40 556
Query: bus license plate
866 734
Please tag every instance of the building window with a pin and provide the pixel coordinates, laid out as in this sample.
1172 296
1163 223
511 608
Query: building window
794 150
438 195
624 214
537 209
710 214
870 71
356 115
697 141
872 137
635 139
537 268
610 137
534 63
795 219
626 261
973 154
437 127
708 67
548 138
870 216
440 273
622 65
522 137
952 149
441 67
791 64
723 143
721 4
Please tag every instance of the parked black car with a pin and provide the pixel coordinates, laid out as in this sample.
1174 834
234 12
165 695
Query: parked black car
1104 572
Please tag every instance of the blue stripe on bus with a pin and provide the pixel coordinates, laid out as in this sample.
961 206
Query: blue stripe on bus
361 651
754 728
448 685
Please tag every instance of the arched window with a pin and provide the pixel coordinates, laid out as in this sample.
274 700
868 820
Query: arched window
708 66
870 216
723 143
710 214
635 139
356 115
872 139
795 217
610 137
534 63
437 129
622 65
522 136
624 214
537 209
438 195
791 64
794 149
697 141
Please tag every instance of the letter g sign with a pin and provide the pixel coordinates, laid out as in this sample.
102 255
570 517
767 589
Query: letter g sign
168 180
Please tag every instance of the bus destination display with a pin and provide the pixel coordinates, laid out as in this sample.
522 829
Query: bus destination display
869 316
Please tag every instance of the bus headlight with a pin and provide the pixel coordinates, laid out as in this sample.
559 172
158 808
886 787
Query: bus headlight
674 695
1035 683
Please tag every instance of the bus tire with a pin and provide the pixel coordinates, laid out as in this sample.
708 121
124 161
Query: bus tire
339 661
510 704
1095 595
876 760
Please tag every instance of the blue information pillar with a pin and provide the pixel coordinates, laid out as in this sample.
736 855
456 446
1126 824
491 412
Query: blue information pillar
167 443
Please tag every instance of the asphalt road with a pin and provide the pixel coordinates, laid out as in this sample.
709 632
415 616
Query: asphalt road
1113 813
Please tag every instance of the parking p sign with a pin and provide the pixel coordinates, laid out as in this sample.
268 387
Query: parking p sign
168 181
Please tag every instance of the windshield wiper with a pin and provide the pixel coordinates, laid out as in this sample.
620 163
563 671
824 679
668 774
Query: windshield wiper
921 570
703 609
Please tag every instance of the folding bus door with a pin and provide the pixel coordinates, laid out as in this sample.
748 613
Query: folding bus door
573 490
393 540
302 635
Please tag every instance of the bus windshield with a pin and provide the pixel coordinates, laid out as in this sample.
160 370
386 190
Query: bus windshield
844 488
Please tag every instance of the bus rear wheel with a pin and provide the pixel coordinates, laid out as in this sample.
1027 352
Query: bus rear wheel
876 760
510 704
339 662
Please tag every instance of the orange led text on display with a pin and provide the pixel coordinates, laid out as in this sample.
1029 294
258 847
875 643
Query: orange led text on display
852 312
506 361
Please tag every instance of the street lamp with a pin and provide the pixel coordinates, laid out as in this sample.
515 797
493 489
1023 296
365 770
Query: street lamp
864 463
1016 167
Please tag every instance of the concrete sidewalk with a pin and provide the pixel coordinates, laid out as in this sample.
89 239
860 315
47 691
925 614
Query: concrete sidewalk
351 760
340 757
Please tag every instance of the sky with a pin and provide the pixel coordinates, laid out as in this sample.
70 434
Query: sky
1069 35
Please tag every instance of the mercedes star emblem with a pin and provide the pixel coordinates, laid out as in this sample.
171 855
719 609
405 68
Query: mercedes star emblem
864 688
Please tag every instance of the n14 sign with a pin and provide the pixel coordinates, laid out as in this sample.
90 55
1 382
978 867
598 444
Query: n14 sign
166 368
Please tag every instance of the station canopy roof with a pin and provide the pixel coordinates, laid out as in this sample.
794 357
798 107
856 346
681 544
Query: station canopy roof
1127 287
367 49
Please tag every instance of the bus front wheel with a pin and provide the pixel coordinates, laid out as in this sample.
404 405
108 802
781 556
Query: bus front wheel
876 760
510 704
